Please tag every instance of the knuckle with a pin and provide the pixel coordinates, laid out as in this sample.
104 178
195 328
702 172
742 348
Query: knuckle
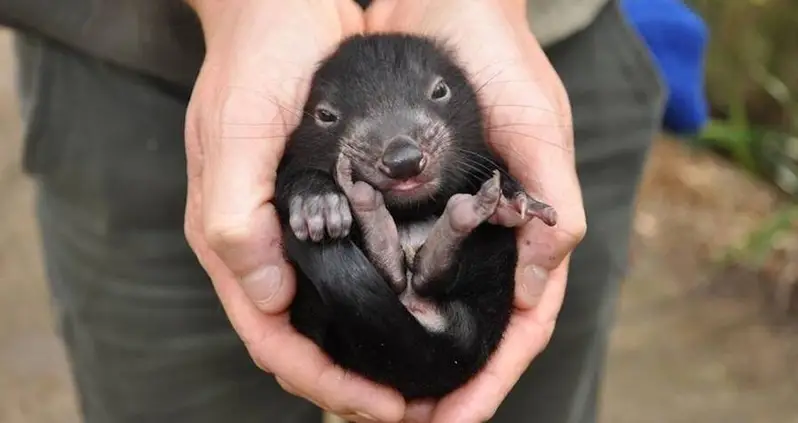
257 358
260 363
574 234
227 233
487 409
296 222
316 224
486 415
332 216
190 233
286 386
330 382
335 406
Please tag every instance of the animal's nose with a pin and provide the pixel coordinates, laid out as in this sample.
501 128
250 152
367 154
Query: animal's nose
402 159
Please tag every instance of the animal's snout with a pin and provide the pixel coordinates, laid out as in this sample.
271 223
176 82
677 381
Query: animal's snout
402 158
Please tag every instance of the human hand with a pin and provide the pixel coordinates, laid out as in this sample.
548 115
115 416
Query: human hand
528 119
261 55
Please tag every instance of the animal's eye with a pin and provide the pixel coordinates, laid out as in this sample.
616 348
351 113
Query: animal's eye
440 91
325 117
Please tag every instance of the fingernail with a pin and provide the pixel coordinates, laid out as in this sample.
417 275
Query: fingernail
261 286
365 416
533 284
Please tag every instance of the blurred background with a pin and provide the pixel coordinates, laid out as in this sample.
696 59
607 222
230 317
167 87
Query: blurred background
707 327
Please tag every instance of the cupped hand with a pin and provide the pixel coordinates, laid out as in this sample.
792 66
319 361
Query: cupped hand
528 119
260 57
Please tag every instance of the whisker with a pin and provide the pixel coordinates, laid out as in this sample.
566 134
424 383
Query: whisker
513 125
271 98
523 106
477 90
476 163
536 138
252 124
252 137
488 169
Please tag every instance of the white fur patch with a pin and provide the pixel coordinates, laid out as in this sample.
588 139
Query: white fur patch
424 311
412 237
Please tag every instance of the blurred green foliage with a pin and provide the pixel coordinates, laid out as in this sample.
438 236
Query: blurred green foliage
759 244
752 85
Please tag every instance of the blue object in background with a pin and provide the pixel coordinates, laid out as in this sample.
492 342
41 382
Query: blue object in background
677 38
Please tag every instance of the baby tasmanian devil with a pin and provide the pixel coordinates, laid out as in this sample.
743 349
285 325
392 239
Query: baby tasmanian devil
398 217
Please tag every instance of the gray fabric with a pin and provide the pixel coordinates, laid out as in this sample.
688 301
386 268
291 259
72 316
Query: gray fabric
163 37
554 20
617 101
146 336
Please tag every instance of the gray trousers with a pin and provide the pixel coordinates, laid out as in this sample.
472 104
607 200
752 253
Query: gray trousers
147 339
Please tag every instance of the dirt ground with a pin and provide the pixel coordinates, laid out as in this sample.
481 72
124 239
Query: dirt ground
682 352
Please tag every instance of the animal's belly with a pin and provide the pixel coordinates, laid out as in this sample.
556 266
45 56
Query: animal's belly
426 312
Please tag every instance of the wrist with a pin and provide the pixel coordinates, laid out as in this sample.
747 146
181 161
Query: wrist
217 14
515 11
205 10
514 6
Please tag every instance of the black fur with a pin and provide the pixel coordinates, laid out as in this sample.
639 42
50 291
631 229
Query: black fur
343 303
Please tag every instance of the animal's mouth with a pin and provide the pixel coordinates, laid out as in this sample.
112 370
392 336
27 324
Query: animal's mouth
401 189
407 186
412 189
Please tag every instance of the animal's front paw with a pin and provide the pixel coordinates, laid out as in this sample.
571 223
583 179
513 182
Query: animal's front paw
363 197
314 216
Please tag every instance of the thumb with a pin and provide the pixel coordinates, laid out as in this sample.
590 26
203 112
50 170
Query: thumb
240 226
249 246
378 13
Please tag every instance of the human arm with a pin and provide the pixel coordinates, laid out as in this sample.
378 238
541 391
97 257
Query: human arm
248 97
529 124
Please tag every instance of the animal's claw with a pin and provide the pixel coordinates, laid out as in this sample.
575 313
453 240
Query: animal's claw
488 196
520 209
527 207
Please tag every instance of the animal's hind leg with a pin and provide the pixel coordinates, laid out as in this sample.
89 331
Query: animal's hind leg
380 235
500 202
463 214
516 207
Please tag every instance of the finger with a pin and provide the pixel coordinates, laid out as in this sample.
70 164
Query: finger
274 345
540 155
239 171
351 16
541 251
329 416
378 13
243 313
525 338
325 384
354 418
419 412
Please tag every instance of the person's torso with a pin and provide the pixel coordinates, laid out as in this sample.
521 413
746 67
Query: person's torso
162 38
